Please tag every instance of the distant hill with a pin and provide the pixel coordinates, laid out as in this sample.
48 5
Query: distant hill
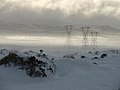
106 30
54 27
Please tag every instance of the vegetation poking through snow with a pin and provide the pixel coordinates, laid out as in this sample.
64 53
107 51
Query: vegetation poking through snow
82 56
95 58
103 55
33 63
71 56
95 63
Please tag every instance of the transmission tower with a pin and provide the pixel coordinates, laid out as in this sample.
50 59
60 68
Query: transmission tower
68 40
85 32
94 36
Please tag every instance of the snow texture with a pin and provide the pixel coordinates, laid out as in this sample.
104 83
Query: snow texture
88 73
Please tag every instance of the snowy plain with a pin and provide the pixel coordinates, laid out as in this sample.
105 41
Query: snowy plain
71 74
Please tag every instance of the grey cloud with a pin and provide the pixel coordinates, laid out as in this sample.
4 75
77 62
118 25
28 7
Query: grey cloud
66 7
64 11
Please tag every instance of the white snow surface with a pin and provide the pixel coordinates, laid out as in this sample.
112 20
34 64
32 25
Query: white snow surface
71 74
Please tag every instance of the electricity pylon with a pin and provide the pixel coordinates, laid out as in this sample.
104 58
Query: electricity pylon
94 36
85 33
68 39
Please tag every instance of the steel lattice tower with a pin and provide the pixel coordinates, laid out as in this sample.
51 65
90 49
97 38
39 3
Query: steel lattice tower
94 36
85 33
68 39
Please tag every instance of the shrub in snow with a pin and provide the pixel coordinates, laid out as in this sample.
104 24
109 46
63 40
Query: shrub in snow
95 63
39 55
90 52
95 58
41 51
69 56
97 52
29 61
11 59
36 68
103 55
115 51
83 56
39 68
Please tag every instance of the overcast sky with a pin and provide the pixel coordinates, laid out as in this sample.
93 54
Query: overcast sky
70 11
57 12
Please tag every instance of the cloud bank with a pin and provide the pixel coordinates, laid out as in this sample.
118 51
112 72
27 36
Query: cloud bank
87 8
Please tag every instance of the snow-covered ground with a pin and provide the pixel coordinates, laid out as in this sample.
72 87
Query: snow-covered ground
71 74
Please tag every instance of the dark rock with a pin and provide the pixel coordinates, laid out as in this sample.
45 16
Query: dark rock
82 56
